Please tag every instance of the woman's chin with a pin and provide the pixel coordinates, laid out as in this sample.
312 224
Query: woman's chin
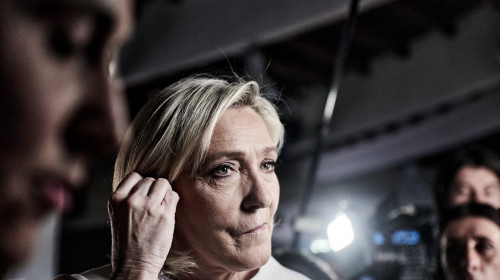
252 259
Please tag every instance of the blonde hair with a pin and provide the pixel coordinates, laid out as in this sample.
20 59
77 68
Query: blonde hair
172 133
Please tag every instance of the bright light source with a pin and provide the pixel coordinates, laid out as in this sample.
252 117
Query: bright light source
340 233
319 246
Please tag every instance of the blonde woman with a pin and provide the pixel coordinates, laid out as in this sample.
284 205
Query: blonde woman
216 144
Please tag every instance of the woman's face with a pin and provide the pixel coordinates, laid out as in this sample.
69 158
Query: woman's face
470 249
225 214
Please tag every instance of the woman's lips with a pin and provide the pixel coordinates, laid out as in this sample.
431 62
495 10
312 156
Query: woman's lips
57 195
258 229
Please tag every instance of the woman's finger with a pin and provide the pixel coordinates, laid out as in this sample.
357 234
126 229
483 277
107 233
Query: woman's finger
127 184
158 190
170 201
142 187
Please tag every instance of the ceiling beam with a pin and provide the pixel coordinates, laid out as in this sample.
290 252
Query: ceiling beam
173 37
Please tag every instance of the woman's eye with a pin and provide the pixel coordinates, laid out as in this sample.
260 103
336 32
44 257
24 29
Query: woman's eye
221 171
269 166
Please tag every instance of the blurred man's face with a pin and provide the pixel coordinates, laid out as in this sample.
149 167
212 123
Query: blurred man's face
470 249
475 184
59 105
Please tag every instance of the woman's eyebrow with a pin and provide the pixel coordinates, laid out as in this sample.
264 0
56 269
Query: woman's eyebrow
238 154
224 154
269 150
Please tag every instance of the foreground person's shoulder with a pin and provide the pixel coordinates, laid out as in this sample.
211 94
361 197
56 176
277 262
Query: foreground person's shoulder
100 273
274 270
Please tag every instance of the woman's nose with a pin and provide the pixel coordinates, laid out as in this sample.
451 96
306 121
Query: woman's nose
259 194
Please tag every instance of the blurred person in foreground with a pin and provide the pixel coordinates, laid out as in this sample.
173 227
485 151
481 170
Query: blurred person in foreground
469 175
470 243
195 188
60 105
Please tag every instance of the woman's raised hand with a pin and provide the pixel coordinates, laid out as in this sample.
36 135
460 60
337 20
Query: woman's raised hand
142 214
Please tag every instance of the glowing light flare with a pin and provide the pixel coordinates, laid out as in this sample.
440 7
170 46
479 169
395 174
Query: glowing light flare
340 233
320 246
